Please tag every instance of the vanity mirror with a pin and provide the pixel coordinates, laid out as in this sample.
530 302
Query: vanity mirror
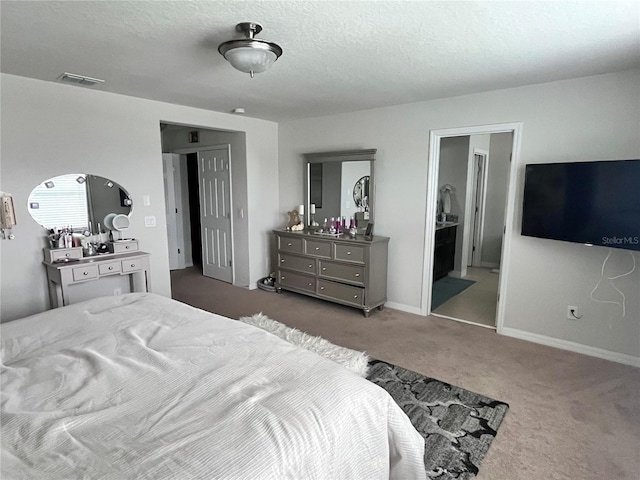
79 200
340 184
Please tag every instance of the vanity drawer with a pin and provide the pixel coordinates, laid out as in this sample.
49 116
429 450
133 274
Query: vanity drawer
349 253
317 249
288 244
123 246
132 265
342 293
296 280
111 267
341 271
52 254
300 264
85 272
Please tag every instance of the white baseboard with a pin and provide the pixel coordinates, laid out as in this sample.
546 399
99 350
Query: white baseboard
571 346
404 308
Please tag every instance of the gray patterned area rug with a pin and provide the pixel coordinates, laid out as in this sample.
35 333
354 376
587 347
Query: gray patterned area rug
458 426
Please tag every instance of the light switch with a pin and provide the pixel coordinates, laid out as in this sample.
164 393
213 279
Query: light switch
150 221
146 200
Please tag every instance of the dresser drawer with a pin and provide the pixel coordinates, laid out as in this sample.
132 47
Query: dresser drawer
111 267
340 271
349 253
288 244
133 265
296 280
85 272
300 264
341 292
317 249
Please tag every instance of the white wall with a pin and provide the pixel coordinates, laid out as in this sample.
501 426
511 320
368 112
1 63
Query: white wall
581 119
496 198
49 129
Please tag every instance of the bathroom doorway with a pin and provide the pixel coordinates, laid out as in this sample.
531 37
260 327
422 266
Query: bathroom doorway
472 193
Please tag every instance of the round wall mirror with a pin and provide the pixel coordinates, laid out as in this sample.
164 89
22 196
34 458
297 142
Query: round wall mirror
78 200
361 192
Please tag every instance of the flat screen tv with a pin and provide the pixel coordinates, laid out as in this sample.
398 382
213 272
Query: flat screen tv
596 203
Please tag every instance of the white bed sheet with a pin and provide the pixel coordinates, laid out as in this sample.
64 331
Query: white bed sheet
140 386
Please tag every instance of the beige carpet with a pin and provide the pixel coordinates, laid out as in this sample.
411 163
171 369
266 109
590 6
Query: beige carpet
571 416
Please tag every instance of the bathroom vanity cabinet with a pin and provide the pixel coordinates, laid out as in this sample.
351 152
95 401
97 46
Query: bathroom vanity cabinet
445 250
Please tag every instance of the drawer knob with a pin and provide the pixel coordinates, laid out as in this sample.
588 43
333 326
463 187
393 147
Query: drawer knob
348 253
282 261
357 274
110 268
321 288
126 246
317 248
67 254
85 273
133 265
324 269
288 244
282 277
310 266
310 284
355 296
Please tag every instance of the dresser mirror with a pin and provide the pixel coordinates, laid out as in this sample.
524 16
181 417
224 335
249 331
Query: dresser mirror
78 200
340 184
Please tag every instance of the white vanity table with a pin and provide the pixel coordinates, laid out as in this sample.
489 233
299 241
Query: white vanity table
62 276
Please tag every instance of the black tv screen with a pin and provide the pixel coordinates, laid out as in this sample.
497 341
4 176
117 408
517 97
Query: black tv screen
595 203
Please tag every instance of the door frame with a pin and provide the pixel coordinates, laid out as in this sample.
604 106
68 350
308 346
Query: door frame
433 165
184 151
174 198
477 219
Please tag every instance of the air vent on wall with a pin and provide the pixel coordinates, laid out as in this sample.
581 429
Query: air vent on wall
79 79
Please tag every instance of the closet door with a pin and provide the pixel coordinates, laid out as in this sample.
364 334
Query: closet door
215 213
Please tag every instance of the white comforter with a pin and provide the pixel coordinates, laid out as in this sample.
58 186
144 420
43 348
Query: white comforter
142 387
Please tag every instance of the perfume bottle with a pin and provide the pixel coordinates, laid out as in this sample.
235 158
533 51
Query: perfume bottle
332 227
352 223
344 223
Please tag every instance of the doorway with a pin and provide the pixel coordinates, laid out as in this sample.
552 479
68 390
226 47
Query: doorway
496 245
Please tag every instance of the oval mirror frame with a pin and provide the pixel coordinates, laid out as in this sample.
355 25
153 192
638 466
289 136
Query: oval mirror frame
78 200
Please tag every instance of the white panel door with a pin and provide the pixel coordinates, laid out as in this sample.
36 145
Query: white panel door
215 213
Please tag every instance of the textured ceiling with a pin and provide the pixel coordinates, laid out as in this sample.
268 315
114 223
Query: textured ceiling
338 55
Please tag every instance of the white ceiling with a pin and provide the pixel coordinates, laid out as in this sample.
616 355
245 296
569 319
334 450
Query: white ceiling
338 56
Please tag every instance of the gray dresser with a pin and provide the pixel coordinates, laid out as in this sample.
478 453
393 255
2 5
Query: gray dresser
338 269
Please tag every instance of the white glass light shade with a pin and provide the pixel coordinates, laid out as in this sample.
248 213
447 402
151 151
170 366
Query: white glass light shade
249 59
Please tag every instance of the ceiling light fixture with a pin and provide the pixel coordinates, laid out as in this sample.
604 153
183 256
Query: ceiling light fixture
250 55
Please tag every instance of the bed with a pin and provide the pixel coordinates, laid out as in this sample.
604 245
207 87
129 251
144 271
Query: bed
141 386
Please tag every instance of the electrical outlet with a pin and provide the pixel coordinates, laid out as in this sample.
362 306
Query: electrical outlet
117 291
573 313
